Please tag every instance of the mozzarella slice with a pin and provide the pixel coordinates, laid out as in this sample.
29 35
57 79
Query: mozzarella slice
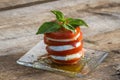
68 57
64 40
64 47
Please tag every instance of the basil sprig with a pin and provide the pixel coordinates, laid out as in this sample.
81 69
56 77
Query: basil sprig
48 27
77 22
59 15
61 21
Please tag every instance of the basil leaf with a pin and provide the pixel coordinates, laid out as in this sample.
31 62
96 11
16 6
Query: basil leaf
69 19
59 15
48 27
69 27
77 22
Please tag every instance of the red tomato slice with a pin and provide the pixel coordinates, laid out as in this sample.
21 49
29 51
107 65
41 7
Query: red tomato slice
63 34
56 43
66 52
73 61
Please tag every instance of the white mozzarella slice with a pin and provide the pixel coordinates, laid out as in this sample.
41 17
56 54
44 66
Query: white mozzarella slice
64 47
68 57
64 40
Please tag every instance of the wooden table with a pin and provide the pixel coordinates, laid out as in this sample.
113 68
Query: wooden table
19 25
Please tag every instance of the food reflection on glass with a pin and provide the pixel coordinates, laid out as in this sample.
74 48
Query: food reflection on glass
63 38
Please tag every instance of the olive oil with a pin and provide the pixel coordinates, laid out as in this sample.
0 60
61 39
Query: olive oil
76 68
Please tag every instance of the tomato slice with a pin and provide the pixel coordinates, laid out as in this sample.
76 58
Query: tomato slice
63 34
56 43
73 61
65 52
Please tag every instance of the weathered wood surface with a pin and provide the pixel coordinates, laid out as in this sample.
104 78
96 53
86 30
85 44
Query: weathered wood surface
13 4
18 27
9 70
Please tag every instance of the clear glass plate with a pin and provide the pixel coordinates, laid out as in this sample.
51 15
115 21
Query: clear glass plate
37 58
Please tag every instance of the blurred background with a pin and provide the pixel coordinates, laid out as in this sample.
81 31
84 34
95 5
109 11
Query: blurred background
20 19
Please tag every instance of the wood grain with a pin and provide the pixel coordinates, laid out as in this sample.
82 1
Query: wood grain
18 26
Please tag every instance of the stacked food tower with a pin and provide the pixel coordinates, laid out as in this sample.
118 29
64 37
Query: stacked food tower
63 38
64 46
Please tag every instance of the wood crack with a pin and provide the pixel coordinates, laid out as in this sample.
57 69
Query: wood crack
25 5
103 6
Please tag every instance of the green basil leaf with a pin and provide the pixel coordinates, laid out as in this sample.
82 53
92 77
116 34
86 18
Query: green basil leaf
69 19
77 22
48 27
59 15
69 27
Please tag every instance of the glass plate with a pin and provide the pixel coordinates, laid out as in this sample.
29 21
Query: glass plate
37 58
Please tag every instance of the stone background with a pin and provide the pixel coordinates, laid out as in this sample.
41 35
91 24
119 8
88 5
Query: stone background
19 21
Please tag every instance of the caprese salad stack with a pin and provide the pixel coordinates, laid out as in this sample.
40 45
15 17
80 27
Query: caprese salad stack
63 38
